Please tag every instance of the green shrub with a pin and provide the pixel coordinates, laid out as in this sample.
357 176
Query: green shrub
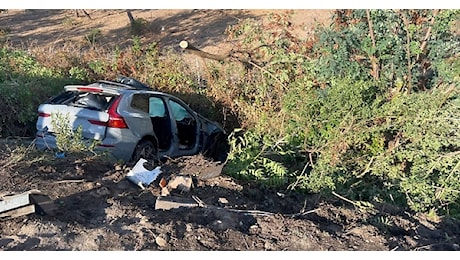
68 139
405 152
24 84
392 46
251 158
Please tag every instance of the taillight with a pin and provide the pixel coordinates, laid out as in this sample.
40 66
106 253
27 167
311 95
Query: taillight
97 122
43 114
115 119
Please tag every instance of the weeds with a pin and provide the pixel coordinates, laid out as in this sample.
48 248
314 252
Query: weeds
383 223
93 36
250 157
24 154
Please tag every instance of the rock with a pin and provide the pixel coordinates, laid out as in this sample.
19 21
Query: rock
170 202
181 183
161 242
223 201
164 191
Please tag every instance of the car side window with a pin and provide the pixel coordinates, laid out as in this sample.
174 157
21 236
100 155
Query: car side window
178 111
140 102
156 107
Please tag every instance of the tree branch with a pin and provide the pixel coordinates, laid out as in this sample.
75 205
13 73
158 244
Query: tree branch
427 34
408 53
193 50
375 66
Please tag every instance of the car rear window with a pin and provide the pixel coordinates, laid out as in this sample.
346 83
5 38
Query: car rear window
92 101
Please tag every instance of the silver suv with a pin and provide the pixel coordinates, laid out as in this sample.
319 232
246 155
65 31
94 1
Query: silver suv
130 120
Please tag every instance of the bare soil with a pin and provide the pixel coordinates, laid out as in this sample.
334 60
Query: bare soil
98 209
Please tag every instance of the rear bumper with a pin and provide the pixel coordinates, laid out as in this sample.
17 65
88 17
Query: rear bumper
120 149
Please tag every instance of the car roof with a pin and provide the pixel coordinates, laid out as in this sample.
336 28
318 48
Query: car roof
117 88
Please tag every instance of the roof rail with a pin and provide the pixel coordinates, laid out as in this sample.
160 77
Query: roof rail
126 82
132 82
112 83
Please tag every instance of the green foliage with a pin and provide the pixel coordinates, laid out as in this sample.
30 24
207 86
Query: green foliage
319 114
97 66
383 223
24 83
404 152
250 158
78 73
402 45
68 139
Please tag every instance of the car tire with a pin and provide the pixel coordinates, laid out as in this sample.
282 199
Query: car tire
147 150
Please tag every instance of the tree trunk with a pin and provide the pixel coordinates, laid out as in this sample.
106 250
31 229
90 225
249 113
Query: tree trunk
374 60
130 16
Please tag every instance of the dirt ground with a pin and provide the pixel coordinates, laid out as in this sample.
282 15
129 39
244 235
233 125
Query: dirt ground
203 27
99 209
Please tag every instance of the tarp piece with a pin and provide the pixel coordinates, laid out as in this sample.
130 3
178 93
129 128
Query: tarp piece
142 177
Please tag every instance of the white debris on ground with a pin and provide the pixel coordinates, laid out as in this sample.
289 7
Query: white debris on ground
142 177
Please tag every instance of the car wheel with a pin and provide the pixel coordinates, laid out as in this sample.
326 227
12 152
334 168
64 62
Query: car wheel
147 150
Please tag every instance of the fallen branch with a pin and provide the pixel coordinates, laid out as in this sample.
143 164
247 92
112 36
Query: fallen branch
193 50
345 199
268 72
250 212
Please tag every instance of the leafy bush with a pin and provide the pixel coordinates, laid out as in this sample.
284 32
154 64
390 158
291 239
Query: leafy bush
24 83
367 111
70 140
249 158
403 48
404 152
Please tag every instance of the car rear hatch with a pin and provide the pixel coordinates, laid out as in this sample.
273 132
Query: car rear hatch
85 106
